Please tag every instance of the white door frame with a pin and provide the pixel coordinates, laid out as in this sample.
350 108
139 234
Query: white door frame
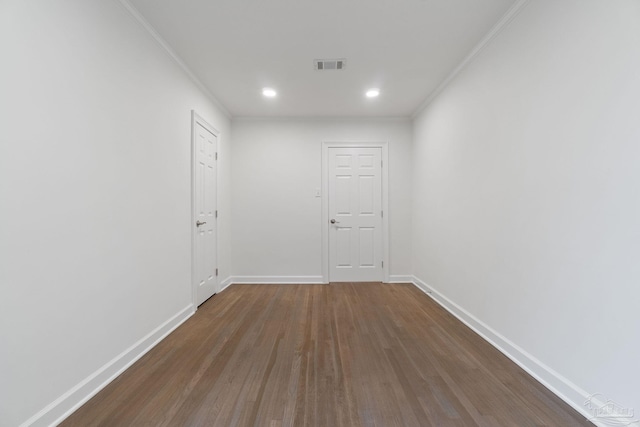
325 202
197 119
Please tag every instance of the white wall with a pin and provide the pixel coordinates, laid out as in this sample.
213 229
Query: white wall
95 194
524 187
526 193
276 170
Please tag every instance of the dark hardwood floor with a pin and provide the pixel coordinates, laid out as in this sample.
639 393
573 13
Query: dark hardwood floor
363 354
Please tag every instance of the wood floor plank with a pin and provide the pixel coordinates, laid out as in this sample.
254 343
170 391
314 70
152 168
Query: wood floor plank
348 354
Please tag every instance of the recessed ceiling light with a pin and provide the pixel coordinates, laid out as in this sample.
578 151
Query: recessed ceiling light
268 92
372 93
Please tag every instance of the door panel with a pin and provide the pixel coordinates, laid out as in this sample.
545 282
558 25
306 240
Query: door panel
205 210
367 243
343 246
355 206
366 194
343 194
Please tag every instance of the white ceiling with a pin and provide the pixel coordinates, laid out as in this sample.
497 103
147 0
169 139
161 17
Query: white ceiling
406 48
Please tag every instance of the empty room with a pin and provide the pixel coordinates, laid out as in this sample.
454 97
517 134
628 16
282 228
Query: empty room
336 213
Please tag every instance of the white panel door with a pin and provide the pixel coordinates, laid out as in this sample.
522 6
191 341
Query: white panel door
205 226
355 214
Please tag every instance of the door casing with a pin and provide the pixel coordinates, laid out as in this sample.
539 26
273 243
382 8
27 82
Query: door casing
325 202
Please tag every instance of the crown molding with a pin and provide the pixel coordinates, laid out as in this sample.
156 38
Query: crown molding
165 46
500 25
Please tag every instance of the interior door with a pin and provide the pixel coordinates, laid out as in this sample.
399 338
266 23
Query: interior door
205 227
355 214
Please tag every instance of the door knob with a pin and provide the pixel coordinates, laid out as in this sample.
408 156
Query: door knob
333 221
199 223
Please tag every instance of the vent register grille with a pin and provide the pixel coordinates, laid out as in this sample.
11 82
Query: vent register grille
329 64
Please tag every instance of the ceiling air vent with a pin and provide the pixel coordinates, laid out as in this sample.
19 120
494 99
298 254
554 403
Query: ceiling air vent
329 64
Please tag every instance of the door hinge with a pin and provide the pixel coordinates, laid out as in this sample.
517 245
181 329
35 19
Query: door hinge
382 214
216 272
216 214
381 164
216 156
382 263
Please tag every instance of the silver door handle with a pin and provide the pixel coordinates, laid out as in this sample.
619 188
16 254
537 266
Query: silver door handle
333 221
199 223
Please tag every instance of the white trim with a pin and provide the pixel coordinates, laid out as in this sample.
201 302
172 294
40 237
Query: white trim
226 283
555 382
399 278
65 405
277 280
135 13
500 25
325 202
197 119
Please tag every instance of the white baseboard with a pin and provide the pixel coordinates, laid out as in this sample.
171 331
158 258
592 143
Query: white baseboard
226 283
315 280
54 413
61 408
556 383
398 278
271 280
